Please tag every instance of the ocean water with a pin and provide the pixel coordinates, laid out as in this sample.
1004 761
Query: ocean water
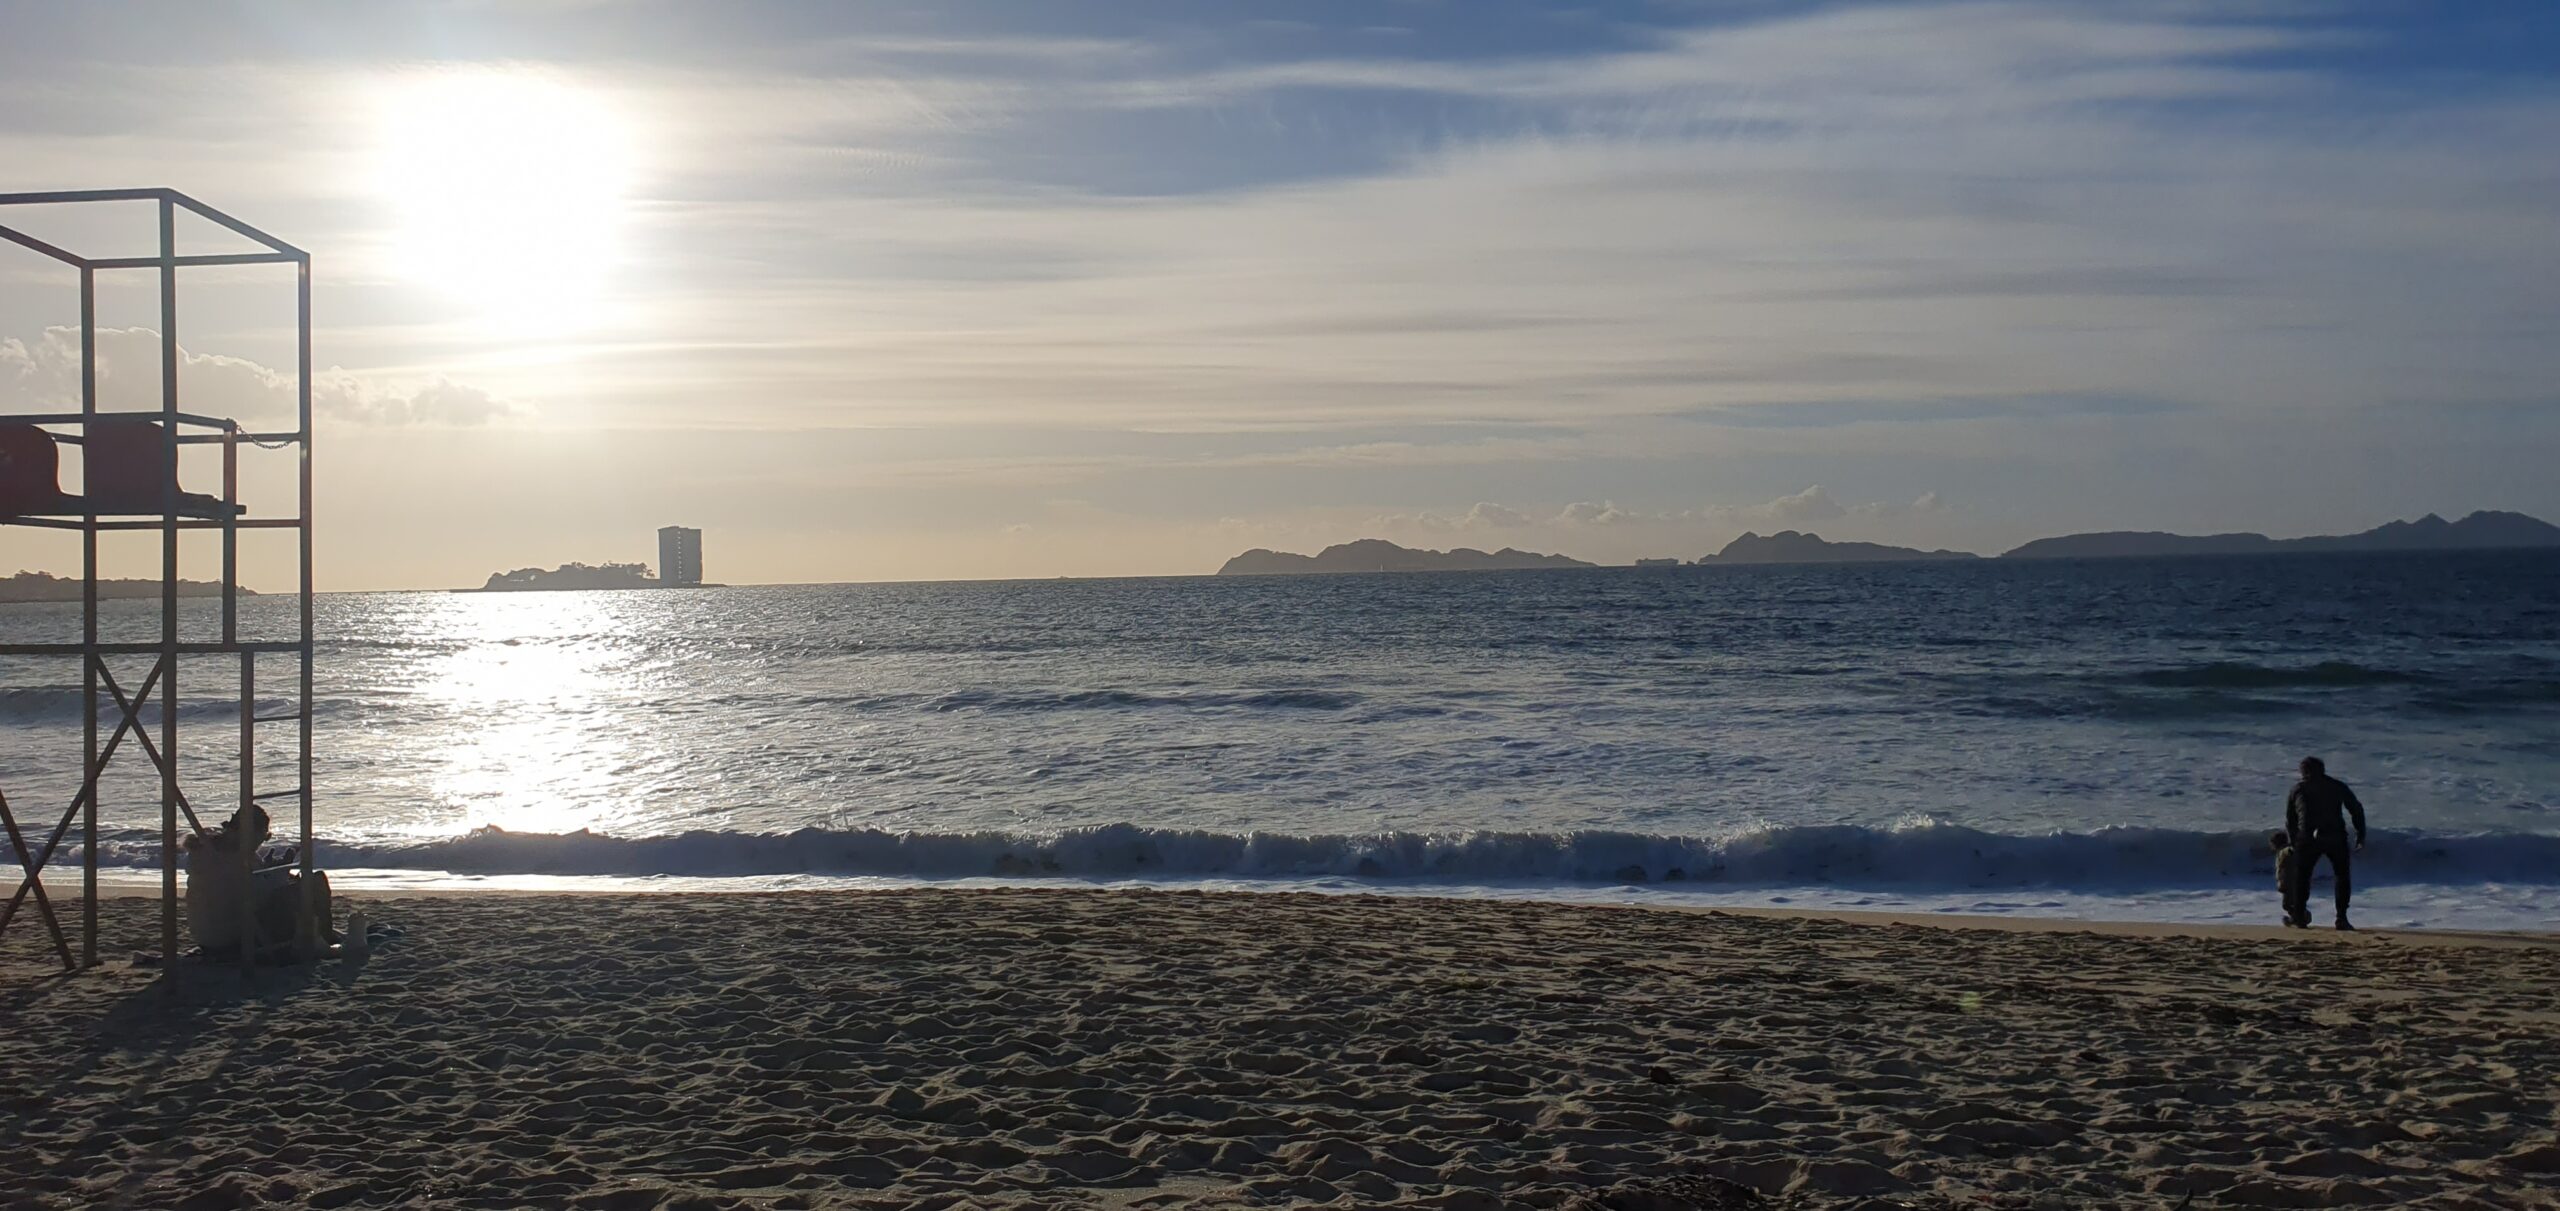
2102 739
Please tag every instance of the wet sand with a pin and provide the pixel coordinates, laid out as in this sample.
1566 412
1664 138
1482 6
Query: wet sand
1104 1048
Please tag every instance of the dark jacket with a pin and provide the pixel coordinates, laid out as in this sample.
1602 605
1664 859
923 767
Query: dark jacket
2319 808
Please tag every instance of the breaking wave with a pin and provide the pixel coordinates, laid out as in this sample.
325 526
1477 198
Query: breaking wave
36 704
1916 855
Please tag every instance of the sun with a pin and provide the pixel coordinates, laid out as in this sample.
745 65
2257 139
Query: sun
508 187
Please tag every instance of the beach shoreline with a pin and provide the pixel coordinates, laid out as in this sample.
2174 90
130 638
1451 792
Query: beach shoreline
2224 913
1058 1048
114 888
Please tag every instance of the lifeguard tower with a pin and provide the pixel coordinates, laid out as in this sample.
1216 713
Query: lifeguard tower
127 465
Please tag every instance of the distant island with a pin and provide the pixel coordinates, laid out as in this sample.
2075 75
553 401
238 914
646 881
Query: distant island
2486 530
1379 555
679 553
41 586
569 576
1789 546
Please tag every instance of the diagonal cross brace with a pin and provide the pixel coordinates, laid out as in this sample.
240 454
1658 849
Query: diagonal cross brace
44 856
44 905
130 709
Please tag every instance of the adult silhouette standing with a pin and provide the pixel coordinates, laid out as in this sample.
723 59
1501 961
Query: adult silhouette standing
2315 817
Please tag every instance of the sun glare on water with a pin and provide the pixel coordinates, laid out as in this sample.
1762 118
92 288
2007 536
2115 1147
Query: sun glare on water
508 187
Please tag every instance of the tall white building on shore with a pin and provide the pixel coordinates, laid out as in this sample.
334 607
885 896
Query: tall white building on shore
679 555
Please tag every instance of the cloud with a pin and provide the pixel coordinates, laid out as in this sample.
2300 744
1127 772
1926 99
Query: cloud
1815 504
2108 253
1933 201
1812 504
1859 251
45 375
1589 513
1912 63
1824 413
438 401
1483 515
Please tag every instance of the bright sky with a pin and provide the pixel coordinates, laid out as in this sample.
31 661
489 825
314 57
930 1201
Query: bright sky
1026 288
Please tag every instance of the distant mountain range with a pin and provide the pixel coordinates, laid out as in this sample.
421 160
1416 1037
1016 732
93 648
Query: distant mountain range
2483 531
1379 555
1788 546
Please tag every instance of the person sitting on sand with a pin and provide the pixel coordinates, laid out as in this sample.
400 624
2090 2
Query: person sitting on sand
2315 819
224 867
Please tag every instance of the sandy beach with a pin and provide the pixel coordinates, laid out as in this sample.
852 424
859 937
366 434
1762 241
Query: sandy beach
1088 1048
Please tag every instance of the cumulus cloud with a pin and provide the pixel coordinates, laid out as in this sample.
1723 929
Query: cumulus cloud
1812 504
45 375
439 401
1425 521
1590 513
1926 502
1483 515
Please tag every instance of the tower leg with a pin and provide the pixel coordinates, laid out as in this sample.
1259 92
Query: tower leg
88 626
248 804
169 583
